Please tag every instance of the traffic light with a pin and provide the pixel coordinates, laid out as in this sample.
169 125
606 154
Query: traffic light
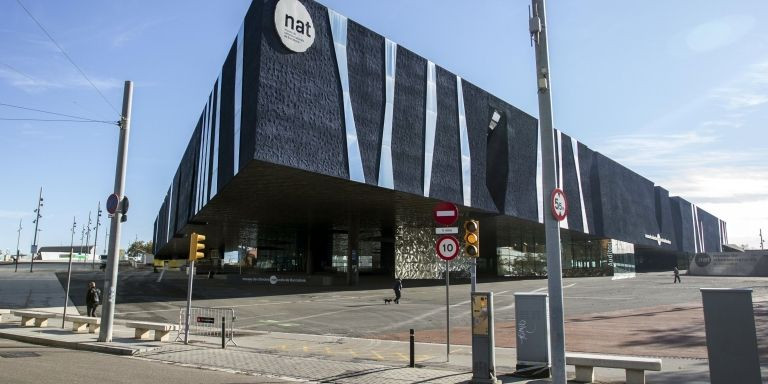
472 238
196 246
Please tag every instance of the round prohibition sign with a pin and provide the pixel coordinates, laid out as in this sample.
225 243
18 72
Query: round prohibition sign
559 204
447 247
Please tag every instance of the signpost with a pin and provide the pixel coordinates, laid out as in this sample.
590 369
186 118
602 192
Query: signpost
447 248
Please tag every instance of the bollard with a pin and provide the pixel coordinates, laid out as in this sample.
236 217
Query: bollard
223 332
413 363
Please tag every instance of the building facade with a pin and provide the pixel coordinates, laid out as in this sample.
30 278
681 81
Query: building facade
323 147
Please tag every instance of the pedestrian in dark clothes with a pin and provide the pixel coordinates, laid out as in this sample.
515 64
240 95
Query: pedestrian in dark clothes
92 299
398 288
677 276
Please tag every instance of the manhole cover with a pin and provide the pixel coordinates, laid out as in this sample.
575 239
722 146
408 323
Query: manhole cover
10 355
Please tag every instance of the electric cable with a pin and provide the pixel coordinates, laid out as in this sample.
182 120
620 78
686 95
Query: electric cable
52 113
67 56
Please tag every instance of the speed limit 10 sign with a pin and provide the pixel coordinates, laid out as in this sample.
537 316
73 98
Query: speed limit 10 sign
447 247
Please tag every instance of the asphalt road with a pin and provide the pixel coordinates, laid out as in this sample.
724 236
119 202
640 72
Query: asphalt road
22 363
361 312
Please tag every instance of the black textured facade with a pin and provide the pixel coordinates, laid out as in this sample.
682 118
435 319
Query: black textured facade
292 114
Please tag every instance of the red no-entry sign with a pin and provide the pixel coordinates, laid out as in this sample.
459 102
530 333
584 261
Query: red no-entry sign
445 213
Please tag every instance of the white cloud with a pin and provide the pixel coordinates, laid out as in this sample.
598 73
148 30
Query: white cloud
746 91
719 33
37 84
14 214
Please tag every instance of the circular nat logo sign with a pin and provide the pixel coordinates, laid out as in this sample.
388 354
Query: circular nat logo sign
702 260
294 25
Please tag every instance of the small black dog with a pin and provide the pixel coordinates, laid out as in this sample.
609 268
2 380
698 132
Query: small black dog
387 301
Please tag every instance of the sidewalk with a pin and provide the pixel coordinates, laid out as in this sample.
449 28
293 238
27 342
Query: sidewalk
314 358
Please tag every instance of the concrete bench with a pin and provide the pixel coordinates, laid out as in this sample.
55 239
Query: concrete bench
4 312
79 323
634 366
162 330
33 318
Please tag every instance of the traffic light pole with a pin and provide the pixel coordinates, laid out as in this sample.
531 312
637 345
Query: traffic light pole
191 271
110 282
538 29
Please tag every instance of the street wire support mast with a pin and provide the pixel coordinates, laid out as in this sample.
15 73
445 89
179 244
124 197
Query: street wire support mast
538 30
33 250
110 282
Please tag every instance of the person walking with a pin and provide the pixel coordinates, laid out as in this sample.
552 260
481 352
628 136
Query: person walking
92 299
677 276
398 288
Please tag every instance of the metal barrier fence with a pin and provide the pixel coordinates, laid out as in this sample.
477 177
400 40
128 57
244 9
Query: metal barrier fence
208 322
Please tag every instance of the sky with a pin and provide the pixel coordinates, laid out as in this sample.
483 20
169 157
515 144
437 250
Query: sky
677 91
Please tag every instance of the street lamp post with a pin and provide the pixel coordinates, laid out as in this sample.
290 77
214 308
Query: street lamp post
69 270
18 237
88 234
37 222
96 237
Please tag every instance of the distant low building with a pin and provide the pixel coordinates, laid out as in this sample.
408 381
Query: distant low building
61 253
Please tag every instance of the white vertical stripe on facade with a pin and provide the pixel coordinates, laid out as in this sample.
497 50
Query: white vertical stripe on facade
217 136
584 221
386 175
431 125
466 159
339 32
207 150
695 229
560 180
238 98
720 235
539 186
168 219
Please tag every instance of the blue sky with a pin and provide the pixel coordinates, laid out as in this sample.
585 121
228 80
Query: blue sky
676 91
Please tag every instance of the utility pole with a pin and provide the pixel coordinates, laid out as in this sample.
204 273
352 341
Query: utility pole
37 222
538 29
18 237
88 234
110 282
96 237
69 270
761 239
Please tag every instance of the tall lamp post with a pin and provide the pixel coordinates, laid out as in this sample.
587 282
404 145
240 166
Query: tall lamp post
96 236
18 237
69 270
37 222
87 234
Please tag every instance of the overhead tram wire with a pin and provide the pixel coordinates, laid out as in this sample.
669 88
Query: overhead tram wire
67 56
79 118
60 120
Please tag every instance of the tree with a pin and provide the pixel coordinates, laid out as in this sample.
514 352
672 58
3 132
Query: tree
138 248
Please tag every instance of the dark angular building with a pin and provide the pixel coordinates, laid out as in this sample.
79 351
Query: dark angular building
323 147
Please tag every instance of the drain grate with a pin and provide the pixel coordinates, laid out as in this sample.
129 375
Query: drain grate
10 355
